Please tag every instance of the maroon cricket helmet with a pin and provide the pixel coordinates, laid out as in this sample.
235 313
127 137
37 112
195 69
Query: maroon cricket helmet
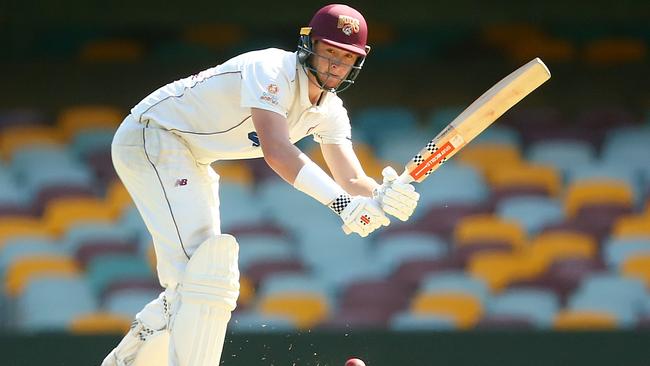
340 26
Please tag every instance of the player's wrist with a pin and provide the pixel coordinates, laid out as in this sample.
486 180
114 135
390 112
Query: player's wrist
313 181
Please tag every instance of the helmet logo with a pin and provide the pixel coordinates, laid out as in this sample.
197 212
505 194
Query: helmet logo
348 24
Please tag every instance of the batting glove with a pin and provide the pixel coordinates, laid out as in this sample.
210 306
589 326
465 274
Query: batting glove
396 198
361 215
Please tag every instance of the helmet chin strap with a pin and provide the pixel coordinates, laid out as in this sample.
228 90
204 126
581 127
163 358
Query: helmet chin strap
320 83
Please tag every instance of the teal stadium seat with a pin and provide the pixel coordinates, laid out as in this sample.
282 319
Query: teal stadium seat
499 134
19 247
238 206
31 156
619 296
257 248
292 283
562 154
454 282
616 251
12 192
532 212
452 184
608 171
399 148
406 322
536 305
86 142
254 322
131 221
374 122
629 144
79 234
393 250
49 304
104 270
440 117
41 176
335 258
277 200
128 302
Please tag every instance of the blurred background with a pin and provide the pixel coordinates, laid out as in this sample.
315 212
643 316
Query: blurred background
532 246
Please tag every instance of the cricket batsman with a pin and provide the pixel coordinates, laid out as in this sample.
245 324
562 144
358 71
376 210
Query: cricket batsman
257 104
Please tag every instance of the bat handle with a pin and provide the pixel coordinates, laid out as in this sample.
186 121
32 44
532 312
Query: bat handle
405 177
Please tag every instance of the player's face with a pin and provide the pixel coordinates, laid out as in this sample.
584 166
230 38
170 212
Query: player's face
333 63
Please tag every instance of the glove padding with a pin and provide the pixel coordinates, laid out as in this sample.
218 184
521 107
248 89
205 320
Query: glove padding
396 198
363 216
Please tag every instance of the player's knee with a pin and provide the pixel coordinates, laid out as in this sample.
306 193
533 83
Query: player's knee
212 274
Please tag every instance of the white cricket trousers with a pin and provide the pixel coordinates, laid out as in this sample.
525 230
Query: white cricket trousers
176 196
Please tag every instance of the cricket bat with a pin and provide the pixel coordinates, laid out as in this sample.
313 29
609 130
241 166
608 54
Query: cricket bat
476 118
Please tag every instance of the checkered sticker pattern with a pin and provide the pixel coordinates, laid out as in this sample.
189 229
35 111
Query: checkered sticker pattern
418 159
340 203
431 146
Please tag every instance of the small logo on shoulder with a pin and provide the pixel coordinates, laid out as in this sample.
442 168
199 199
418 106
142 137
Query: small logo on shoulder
254 139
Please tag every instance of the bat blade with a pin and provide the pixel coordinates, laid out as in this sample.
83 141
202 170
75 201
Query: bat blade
476 118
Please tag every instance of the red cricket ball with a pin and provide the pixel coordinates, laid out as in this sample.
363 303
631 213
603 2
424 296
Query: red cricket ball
354 362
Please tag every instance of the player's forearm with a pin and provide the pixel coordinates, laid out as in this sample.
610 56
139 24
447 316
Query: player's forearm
285 160
359 186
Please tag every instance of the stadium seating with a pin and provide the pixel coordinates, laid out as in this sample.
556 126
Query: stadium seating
632 226
73 120
487 157
499 270
17 249
537 306
407 321
100 323
391 251
453 184
525 229
564 155
552 246
16 226
51 304
637 266
545 178
464 309
597 192
253 249
61 214
584 320
23 136
617 251
104 270
532 213
29 268
254 322
129 302
474 230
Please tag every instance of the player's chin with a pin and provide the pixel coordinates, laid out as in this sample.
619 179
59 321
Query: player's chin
333 82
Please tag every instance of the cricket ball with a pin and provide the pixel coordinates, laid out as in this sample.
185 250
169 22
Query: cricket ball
354 362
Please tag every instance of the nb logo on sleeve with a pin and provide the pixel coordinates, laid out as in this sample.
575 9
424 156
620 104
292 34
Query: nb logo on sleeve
180 182
253 137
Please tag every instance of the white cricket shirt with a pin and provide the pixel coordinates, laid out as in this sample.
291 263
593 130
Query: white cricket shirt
211 111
